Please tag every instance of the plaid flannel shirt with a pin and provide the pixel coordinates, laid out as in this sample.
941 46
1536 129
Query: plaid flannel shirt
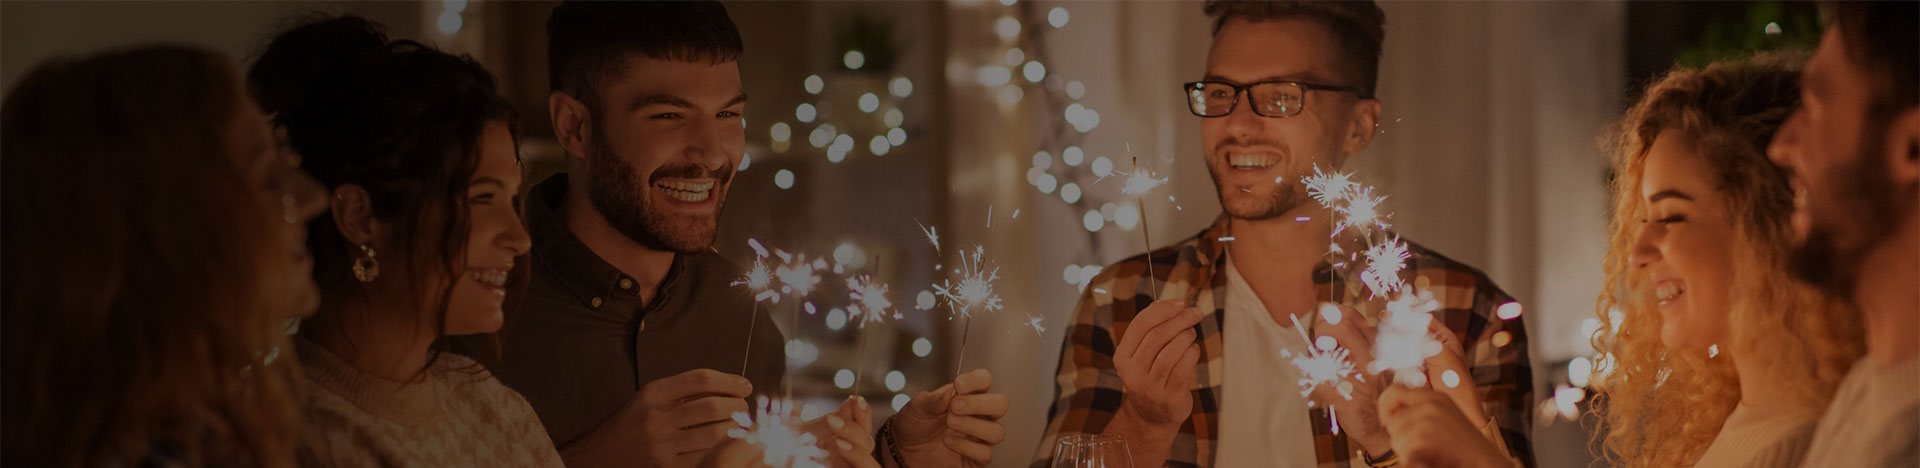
1088 391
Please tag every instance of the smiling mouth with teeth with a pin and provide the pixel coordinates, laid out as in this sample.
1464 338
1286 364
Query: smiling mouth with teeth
691 191
495 279
1251 161
1665 292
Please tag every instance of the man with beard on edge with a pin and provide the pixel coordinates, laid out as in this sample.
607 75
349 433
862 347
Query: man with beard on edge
627 340
1186 363
1854 149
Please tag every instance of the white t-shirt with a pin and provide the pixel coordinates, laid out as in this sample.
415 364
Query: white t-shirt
1263 418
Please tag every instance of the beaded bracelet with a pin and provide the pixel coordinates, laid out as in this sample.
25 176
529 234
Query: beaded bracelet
886 434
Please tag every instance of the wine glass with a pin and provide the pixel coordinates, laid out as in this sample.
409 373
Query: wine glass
1091 451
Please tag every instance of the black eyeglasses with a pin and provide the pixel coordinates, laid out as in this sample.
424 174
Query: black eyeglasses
1274 99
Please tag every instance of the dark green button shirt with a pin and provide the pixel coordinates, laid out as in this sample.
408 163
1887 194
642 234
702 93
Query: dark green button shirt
581 343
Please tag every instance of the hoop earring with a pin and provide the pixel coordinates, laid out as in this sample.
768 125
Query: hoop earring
366 267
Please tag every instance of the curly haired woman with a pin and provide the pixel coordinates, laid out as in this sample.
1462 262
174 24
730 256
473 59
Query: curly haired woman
1719 357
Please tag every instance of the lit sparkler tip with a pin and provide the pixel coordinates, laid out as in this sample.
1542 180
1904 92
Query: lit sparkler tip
798 276
1328 187
1384 263
760 281
973 290
1034 323
1403 343
773 428
870 303
1140 181
1323 363
1361 211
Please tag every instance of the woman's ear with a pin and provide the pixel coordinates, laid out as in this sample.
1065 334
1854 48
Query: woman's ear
352 210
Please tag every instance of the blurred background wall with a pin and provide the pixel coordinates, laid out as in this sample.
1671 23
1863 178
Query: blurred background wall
992 123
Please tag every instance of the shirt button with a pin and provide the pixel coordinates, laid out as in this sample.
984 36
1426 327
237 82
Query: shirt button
626 283
596 302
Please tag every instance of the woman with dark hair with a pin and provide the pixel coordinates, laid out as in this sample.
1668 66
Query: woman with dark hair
154 252
418 153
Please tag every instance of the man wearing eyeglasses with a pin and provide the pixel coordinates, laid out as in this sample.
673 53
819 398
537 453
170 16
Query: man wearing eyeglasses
1203 377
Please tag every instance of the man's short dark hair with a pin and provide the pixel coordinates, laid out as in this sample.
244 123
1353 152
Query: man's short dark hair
1358 28
1884 39
588 41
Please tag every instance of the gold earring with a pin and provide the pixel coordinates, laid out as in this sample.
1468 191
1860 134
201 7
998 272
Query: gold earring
366 267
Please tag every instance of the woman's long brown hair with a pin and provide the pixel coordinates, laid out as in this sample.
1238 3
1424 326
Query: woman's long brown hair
135 328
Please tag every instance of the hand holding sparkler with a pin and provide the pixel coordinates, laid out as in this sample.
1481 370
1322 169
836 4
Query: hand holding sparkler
673 421
955 425
847 433
1452 375
1155 359
1428 430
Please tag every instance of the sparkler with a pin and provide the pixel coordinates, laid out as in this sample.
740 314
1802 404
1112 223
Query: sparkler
1034 323
1328 188
1384 262
759 282
870 305
974 291
1403 343
1324 366
797 277
1139 182
1320 366
1361 212
772 428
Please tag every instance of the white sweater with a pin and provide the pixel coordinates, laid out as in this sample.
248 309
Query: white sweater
1874 420
458 416
1761 438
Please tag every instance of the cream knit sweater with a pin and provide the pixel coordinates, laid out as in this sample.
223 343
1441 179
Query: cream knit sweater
1761 438
1874 420
458 415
